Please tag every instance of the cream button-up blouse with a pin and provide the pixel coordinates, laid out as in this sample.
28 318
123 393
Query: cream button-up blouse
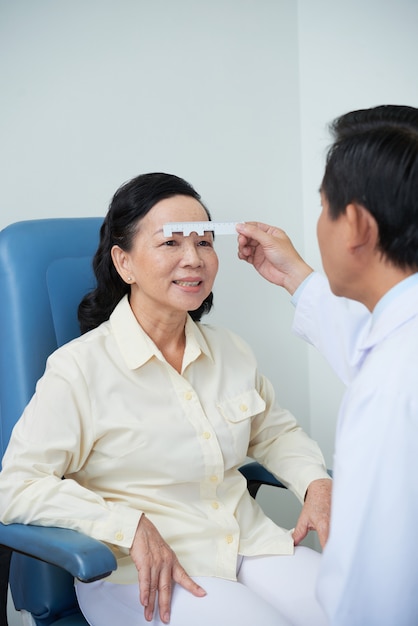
131 435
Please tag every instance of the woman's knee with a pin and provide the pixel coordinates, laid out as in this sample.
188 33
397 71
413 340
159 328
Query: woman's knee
288 583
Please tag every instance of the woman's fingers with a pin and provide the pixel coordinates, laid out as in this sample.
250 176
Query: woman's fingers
158 567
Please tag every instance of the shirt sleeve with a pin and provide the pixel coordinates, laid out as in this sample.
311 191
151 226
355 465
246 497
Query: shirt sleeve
280 444
53 439
335 326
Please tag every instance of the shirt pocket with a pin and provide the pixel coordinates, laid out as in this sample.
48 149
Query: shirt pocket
237 412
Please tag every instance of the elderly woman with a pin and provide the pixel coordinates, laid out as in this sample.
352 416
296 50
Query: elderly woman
148 416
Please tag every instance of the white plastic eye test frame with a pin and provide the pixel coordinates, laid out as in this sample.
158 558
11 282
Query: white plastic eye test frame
219 228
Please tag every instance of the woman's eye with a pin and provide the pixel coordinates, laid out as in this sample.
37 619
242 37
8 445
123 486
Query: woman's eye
171 242
205 243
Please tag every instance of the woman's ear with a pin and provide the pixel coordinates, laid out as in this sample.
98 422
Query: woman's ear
122 264
363 232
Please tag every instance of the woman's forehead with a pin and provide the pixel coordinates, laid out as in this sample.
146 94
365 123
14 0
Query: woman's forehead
177 209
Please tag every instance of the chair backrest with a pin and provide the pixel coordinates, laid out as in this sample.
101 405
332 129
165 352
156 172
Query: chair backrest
45 269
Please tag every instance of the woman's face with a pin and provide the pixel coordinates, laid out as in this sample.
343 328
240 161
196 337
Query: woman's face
169 274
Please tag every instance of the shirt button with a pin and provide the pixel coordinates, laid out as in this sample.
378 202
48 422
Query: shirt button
214 479
188 395
243 407
119 536
229 539
215 505
206 435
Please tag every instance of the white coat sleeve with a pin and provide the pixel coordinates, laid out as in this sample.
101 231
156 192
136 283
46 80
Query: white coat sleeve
334 325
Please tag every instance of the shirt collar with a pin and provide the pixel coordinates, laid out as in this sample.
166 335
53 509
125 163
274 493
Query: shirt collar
393 293
395 308
137 347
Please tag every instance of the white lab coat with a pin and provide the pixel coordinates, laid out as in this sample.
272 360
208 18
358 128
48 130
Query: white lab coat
369 574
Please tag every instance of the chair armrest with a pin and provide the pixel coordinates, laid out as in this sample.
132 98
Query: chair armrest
83 557
257 475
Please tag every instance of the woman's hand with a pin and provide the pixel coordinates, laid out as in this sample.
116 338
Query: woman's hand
158 567
316 512
272 253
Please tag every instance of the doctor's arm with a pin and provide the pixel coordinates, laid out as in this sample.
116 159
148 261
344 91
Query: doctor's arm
334 325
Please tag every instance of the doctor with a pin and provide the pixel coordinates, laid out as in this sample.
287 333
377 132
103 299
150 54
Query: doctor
368 237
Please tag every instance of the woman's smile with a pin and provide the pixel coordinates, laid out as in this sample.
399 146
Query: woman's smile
187 282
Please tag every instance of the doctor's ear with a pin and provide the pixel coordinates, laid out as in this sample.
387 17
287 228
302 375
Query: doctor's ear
363 231
121 262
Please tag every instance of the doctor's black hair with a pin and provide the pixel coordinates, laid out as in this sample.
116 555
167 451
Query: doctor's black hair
374 162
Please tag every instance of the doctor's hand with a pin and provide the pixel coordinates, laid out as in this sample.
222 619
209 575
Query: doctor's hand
272 254
316 512
158 567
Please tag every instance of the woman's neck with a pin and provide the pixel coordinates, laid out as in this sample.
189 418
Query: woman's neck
167 331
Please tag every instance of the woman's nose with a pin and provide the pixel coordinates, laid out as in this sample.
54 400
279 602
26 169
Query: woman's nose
191 254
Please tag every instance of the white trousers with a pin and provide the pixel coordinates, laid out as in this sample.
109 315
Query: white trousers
270 590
